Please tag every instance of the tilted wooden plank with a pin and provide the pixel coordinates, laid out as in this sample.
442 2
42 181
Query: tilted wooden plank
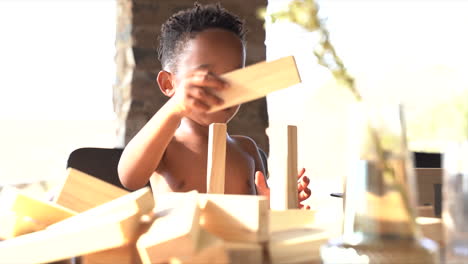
81 191
283 167
174 233
216 167
258 80
21 213
110 225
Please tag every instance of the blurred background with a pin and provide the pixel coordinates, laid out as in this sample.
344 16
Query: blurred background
80 73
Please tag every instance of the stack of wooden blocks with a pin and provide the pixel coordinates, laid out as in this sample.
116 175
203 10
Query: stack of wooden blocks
104 224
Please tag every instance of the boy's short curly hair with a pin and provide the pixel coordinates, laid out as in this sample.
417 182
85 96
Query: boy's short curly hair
185 24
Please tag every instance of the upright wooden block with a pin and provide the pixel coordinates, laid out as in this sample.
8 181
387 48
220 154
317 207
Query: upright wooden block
239 218
21 213
81 191
173 234
258 80
283 167
216 167
110 225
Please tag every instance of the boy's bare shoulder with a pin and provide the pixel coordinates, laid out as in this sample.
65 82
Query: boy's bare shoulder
246 143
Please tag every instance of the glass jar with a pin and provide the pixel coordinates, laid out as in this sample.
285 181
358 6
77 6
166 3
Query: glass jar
379 223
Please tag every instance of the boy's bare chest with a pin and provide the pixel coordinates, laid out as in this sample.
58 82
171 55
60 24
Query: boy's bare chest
184 170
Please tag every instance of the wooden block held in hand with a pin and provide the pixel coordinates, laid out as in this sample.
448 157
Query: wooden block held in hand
110 225
216 167
21 213
175 234
283 167
258 80
81 191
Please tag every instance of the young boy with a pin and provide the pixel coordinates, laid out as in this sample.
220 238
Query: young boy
197 45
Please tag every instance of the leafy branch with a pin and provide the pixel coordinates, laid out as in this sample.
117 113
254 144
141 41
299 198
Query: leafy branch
305 14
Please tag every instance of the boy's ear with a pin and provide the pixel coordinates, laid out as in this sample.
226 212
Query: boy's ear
165 83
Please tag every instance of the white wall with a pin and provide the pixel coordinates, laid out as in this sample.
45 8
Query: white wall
56 75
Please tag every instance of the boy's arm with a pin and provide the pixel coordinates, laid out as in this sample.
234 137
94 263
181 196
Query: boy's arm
144 152
192 91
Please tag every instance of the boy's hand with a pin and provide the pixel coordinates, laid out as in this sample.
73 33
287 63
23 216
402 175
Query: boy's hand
302 187
196 91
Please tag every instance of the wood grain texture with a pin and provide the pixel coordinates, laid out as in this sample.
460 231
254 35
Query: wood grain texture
81 191
236 218
291 219
283 167
216 167
173 234
258 80
212 249
299 245
127 254
21 213
110 225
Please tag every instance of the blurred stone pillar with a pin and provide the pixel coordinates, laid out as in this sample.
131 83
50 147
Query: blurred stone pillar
136 93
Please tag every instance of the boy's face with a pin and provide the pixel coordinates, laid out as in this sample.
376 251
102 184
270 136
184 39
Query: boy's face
218 50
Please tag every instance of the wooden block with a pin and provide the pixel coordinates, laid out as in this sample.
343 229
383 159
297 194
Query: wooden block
216 168
283 167
21 213
211 249
301 245
127 254
110 225
432 228
240 253
258 80
81 191
173 235
290 219
240 218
